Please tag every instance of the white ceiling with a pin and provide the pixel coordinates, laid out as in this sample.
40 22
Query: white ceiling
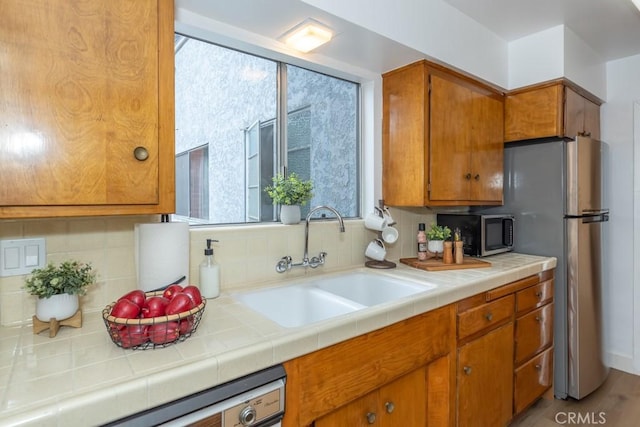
610 27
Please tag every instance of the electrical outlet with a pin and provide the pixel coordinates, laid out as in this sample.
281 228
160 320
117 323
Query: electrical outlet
21 256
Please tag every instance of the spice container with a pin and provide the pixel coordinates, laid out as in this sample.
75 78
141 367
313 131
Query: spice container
422 242
447 255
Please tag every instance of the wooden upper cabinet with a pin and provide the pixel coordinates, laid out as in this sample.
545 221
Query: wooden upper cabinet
84 85
552 109
442 138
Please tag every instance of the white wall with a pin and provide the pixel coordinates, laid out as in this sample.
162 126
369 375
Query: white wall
432 27
536 58
554 53
623 90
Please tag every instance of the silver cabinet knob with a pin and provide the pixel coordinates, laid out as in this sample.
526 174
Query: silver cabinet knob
489 317
141 153
371 417
467 370
389 406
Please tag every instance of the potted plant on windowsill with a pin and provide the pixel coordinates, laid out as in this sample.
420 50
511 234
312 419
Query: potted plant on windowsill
436 236
290 193
58 288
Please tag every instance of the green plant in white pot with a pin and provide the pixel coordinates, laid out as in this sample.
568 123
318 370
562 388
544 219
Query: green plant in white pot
436 236
58 288
290 193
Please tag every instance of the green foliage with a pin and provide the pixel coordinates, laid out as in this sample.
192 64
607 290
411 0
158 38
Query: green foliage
290 190
70 277
438 232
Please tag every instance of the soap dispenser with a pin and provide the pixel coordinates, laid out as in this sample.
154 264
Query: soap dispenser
209 273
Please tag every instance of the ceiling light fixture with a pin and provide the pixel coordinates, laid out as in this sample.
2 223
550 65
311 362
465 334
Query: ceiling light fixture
307 35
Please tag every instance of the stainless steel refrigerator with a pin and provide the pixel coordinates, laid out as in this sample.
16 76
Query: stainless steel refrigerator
554 189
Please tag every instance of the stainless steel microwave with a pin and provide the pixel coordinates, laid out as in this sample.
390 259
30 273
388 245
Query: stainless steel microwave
482 235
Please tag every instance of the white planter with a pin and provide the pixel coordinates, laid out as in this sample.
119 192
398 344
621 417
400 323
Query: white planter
59 307
290 214
436 246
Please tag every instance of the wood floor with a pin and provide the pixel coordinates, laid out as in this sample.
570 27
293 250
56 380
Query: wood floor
615 404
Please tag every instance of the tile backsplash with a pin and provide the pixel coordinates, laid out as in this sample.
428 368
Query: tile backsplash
247 254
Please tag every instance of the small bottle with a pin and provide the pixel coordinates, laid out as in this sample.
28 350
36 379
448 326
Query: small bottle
422 243
209 273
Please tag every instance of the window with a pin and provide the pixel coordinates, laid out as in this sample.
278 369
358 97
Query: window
228 139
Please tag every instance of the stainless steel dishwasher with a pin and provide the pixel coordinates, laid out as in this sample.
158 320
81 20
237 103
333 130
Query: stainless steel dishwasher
254 400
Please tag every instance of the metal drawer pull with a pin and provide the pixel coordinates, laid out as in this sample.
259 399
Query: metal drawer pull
390 407
467 176
539 294
539 319
538 367
467 370
477 177
489 316
371 417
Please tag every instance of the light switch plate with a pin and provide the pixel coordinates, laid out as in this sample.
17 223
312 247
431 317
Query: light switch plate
21 256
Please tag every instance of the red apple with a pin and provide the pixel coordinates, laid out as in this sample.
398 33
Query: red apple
194 293
161 333
180 303
171 291
154 307
137 297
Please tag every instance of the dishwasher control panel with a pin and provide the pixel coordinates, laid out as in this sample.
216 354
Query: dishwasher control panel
255 410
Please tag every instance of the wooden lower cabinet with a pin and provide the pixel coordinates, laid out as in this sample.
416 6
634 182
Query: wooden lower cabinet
485 379
400 375
533 379
477 362
399 403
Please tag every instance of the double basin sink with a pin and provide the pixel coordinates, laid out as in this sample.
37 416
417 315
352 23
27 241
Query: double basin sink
320 298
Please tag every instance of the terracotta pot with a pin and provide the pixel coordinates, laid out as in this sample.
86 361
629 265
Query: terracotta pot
59 307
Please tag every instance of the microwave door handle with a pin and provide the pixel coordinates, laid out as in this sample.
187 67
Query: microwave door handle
507 232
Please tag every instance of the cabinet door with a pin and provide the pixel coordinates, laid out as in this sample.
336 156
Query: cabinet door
403 402
487 148
592 119
466 143
573 113
399 403
534 113
84 85
360 413
485 379
404 136
450 140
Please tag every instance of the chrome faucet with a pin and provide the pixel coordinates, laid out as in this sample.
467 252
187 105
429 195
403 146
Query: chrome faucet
286 262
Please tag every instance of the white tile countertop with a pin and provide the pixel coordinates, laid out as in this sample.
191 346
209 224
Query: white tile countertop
81 378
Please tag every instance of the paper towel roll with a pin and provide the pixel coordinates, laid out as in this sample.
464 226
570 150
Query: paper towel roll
162 253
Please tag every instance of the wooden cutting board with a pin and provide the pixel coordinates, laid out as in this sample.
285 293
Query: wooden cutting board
437 265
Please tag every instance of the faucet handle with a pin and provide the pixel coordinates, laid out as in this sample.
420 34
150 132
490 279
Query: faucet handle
284 264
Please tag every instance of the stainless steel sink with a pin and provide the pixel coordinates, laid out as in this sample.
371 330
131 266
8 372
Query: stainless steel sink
321 298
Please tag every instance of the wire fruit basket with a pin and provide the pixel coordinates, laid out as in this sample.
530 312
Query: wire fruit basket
153 332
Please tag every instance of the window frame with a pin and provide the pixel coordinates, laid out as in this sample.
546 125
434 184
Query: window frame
281 120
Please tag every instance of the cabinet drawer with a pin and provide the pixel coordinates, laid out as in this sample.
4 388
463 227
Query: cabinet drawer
535 296
485 316
532 379
534 332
